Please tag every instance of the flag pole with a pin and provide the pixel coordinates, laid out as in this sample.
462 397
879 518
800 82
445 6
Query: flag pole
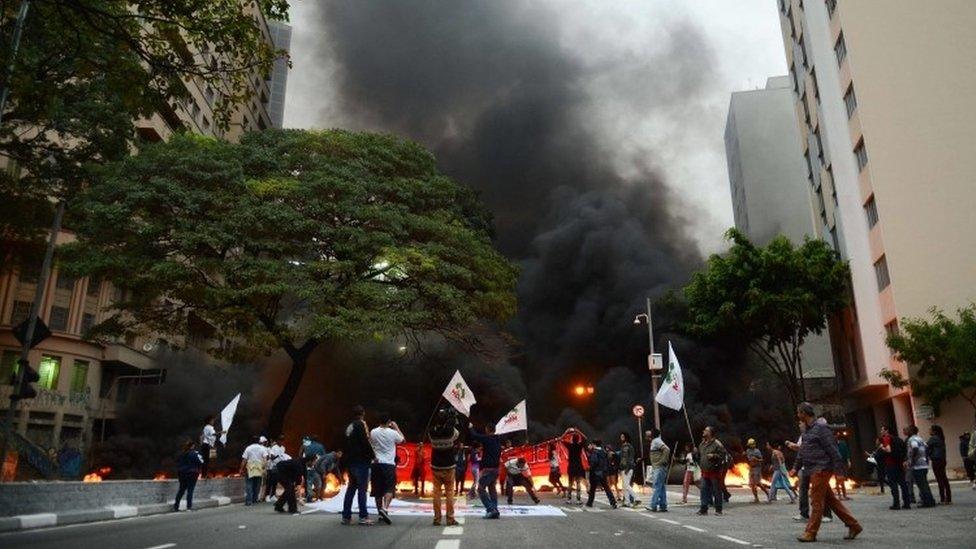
431 418
688 423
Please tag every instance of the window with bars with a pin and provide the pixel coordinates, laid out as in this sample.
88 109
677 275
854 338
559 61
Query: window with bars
87 321
20 313
850 100
871 210
59 318
881 272
48 369
79 376
840 49
65 282
94 287
29 273
862 155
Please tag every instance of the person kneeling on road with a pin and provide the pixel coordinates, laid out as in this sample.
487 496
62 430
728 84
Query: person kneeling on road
291 474
518 474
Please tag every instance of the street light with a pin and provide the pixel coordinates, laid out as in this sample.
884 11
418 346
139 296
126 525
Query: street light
638 320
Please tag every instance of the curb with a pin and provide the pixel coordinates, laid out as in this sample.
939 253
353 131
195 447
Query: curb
113 512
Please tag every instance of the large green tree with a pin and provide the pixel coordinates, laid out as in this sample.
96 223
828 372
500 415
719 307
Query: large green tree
87 69
288 240
771 298
943 352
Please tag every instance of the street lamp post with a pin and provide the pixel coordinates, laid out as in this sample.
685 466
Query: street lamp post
650 360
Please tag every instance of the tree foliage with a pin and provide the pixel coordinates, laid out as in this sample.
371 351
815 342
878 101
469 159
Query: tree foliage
771 297
942 351
289 239
87 69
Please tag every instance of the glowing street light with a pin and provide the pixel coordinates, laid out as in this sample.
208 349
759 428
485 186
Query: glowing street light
583 390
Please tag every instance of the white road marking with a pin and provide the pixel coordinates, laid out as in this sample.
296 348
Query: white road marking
669 521
163 546
695 528
453 531
734 540
448 544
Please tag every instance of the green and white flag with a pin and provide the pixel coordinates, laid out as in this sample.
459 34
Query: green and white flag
459 394
672 392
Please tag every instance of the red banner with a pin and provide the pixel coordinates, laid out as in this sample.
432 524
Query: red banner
536 456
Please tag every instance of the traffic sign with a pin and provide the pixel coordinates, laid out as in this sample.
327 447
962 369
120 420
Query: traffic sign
637 410
41 332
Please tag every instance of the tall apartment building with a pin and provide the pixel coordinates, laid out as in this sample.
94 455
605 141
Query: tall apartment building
281 36
882 97
769 189
83 383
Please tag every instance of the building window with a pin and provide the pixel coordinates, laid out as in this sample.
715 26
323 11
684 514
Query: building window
206 123
49 369
850 100
834 240
831 7
87 321
8 367
65 282
29 274
871 209
208 94
840 49
862 155
195 111
79 376
891 329
816 87
803 51
881 272
59 318
94 287
20 313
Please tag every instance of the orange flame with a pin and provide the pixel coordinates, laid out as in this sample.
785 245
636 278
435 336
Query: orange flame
97 476
160 476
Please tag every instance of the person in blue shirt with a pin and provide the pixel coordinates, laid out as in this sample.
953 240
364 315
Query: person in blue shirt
188 467
491 452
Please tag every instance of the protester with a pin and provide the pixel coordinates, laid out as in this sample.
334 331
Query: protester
329 464
968 464
780 478
575 442
419 472
555 473
475 465
291 475
937 454
502 472
384 438
876 459
443 434
253 462
711 455
491 451
627 464
613 470
692 473
803 485
460 468
895 455
918 464
754 458
518 474
821 460
599 462
275 454
358 454
208 444
971 454
311 447
659 458
188 467
845 455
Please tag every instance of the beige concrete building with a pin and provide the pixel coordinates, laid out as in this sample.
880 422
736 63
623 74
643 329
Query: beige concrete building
882 92
82 383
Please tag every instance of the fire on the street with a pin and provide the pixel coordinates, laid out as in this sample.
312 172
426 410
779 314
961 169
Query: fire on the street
160 476
97 476
738 475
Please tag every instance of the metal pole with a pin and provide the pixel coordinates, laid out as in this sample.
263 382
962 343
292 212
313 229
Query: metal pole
640 435
650 340
14 47
32 321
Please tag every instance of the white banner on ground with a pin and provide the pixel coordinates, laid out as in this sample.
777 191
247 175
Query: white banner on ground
516 420
459 394
403 508
672 392
227 417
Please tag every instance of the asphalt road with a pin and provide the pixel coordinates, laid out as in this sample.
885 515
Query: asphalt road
744 525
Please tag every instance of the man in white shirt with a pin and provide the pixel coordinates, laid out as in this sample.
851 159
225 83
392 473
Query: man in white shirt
208 441
275 453
384 439
518 474
253 462
918 465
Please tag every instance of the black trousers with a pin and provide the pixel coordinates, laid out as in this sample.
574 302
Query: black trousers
600 480
188 481
272 485
288 497
895 475
205 454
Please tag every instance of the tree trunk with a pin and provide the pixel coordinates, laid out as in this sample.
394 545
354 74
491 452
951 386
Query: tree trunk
299 361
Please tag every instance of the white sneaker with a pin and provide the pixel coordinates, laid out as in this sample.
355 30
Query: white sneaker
799 518
826 519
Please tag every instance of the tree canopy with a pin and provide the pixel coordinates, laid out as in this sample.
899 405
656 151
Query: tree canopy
286 240
771 297
87 69
943 353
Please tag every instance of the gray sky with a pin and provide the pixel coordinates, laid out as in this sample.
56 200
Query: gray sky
668 47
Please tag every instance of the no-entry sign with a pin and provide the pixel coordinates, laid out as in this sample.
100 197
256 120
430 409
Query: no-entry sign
637 410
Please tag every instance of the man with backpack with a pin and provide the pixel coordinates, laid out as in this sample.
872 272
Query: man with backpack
599 464
894 463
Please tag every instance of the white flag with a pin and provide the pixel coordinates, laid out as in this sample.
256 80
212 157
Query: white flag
227 417
459 394
672 392
515 420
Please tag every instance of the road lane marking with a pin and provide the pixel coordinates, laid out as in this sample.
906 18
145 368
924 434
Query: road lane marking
453 531
448 544
669 521
163 546
695 528
735 540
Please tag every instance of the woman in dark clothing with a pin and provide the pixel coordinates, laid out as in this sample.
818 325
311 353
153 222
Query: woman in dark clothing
575 442
188 467
937 454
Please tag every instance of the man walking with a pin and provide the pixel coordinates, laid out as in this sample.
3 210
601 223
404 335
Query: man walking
599 464
894 463
443 435
804 485
711 456
821 461
491 451
754 457
918 464
253 461
517 473
659 458
384 439
358 455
